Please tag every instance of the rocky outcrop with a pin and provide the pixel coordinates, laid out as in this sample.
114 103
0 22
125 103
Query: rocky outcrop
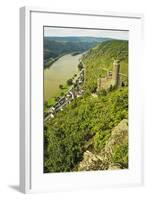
91 162
104 160
118 137
114 166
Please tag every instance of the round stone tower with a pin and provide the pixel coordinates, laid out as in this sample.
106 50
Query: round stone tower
115 74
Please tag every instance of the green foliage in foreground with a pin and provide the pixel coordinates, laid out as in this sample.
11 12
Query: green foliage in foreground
66 134
100 139
120 154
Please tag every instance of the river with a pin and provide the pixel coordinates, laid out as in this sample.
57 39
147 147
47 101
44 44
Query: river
58 73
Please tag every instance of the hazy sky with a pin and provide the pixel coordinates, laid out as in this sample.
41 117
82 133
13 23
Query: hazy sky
61 32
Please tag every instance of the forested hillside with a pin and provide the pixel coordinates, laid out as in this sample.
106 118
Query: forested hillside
100 59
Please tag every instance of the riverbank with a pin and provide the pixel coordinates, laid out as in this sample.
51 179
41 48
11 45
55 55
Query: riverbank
52 100
52 60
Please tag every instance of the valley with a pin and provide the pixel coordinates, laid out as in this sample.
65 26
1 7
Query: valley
86 110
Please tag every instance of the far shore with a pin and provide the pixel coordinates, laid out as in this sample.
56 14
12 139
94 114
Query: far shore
50 62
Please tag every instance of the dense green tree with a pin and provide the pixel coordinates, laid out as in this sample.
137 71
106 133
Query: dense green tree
80 66
69 81
61 86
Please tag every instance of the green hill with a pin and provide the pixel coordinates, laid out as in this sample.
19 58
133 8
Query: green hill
54 47
100 58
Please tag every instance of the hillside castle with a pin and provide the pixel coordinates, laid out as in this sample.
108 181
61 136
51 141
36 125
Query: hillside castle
112 78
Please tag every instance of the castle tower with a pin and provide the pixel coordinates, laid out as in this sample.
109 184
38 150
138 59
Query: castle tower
115 74
99 84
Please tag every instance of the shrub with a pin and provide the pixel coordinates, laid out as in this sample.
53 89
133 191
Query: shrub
69 82
80 66
61 86
100 139
120 154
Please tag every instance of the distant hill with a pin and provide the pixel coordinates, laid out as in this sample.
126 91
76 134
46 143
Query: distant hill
101 57
57 46
76 39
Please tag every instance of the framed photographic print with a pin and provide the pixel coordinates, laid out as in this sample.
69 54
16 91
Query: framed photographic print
80 100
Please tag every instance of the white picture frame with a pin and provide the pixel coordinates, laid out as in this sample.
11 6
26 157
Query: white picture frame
32 178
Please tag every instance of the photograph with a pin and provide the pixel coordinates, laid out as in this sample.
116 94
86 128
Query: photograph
85 99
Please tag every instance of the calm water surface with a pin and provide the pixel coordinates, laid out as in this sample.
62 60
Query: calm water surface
58 73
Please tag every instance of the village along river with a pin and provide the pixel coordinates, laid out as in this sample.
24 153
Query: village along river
58 73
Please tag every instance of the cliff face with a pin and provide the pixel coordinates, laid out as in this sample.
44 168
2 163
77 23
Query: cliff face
113 156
